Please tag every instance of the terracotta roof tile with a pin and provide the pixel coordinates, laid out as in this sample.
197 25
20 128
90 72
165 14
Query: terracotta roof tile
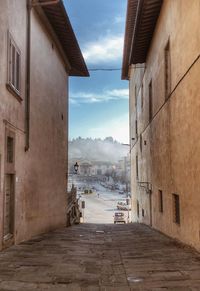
141 20
59 20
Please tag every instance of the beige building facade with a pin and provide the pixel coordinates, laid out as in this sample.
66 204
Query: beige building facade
162 63
39 52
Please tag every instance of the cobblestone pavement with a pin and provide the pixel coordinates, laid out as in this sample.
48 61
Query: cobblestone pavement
100 257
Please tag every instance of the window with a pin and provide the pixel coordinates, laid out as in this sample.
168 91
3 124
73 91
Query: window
142 96
14 66
141 143
142 212
137 167
167 71
176 208
135 97
160 200
10 149
136 105
9 205
150 102
136 129
138 209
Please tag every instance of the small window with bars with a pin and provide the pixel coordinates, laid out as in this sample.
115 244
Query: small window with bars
10 150
160 200
176 208
14 66
138 209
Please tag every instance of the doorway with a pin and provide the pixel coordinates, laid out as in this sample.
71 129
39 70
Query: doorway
8 226
9 189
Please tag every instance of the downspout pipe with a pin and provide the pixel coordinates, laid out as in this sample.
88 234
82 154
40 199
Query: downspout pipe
27 86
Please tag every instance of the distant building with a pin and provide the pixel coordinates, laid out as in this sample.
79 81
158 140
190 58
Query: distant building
39 52
85 168
101 167
162 63
90 168
123 169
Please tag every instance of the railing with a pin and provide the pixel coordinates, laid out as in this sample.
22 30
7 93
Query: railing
73 212
71 196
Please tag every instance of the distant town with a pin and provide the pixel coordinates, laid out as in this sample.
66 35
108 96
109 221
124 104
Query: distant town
100 160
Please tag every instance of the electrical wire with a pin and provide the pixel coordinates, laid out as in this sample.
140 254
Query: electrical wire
138 66
102 69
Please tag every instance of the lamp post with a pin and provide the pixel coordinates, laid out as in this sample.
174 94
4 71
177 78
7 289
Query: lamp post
76 166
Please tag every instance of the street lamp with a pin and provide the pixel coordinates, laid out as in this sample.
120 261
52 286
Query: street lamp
76 166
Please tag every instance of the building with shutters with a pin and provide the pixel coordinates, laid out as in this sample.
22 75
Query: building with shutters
39 52
161 61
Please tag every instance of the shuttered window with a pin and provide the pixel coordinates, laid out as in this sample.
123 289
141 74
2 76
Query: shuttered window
14 66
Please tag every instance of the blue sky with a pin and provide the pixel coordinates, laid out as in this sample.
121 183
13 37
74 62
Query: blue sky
99 104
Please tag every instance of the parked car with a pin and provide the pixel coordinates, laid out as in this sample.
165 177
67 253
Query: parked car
120 204
123 206
127 207
121 192
119 217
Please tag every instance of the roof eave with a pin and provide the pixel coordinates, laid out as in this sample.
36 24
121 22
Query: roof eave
141 21
59 20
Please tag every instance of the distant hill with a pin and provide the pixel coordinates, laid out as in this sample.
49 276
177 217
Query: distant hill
107 150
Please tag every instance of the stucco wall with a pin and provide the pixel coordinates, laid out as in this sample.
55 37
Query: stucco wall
170 159
40 178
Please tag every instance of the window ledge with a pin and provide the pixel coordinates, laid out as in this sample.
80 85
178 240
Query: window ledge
14 92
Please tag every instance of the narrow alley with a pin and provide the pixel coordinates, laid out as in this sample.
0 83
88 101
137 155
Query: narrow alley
100 257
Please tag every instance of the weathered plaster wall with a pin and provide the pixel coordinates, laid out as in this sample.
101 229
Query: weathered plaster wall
170 160
40 187
11 110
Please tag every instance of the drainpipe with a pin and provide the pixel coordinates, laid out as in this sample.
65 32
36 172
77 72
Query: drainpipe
27 86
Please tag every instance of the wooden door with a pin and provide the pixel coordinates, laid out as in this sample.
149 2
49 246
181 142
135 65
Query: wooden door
9 206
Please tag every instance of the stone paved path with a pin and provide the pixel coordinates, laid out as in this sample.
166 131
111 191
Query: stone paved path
93 257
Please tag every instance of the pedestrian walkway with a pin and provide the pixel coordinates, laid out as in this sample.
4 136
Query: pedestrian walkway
93 257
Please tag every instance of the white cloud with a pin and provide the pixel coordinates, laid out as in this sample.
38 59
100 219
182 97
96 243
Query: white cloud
118 128
115 94
109 48
118 19
73 101
119 93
